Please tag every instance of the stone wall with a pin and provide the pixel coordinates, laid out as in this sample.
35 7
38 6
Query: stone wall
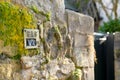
81 29
66 45
117 55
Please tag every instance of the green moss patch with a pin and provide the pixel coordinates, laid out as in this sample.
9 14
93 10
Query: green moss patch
13 19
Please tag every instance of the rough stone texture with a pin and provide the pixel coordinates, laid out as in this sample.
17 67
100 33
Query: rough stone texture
88 74
9 69
83 40
117 55
117 70
83 58
80 45
5 49
55 69
81 29
79 23
55 7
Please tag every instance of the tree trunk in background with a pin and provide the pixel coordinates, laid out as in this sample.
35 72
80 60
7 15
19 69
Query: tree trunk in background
110 11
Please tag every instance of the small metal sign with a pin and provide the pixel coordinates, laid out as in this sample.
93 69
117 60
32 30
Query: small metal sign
31 38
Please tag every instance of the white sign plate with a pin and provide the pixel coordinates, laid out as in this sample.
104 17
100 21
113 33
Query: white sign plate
31 38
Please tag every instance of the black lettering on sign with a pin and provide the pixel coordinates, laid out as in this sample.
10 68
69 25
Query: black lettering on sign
31 33
31 42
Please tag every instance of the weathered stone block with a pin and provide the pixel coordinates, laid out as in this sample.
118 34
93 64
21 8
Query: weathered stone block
83 40
117 70
83 57
9 69
117 55
58 9
80 40
80 57
88 73
55 69
79 23
55 7
80 27
26 62
117 36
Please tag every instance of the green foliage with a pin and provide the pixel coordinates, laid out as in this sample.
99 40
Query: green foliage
76 74
58 36
111 26
77 4
87 1
47 15
16 57
13 19
35 9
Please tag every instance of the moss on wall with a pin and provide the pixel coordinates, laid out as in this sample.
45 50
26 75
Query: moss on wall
46 15
13 19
